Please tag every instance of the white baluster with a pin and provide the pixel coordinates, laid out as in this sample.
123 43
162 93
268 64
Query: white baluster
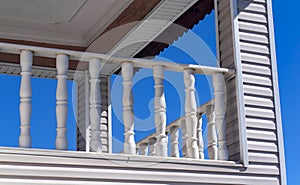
160 111
95 66
62 64
200 137
152 146
211 133
219 88
26 58
191 115
184 137
144 149
128 116
174 136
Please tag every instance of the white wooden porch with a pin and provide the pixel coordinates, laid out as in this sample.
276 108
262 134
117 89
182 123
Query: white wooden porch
99 64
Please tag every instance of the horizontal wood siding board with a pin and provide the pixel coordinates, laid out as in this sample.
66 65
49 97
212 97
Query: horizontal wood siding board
257 80
259 101
244 5
260 123
84 162
252 17
263 146
253 27
264 158
261 135
259 112
258 91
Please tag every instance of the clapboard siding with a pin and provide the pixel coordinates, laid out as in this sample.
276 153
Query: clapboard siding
75 168
255 59
226 54
83 135
249 43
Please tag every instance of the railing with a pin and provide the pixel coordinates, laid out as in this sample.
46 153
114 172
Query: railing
147 146
192 129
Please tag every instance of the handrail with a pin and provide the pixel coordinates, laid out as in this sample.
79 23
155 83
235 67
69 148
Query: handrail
200 110
87 56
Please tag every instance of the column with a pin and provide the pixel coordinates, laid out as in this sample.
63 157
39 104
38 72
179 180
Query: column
26 58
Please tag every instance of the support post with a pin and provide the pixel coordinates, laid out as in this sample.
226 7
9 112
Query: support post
160 112
200 137
95 105
190 113
62 64
211 133
219 88
128 116
144 149
152 146
26 58
174 136
184 137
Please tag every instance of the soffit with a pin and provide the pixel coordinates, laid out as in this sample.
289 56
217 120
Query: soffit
68 22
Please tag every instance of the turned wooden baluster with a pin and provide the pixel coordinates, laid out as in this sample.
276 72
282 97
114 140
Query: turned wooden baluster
144 149
152 146
62 64
128 116
174 136
95 66
200 137
184 137
25 98
160 112
211 133
219 88
191 114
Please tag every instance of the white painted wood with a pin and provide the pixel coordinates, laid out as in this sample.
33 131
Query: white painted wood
253 17
152 146
143 149
128 116
95 67
87 111
184 137
211 133
200 136
191 114
62 64
26 58
160 112
174 140
86 56
220 108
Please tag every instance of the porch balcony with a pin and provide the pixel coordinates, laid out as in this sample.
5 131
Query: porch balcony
92 66
149 158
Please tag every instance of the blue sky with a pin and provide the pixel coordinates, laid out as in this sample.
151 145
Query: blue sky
286 20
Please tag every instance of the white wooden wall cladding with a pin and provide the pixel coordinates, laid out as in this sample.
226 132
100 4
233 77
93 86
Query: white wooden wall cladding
62 65
26 58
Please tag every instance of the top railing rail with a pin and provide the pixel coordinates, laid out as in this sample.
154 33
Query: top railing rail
87 56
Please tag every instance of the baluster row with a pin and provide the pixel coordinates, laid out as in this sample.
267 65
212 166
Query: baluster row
191 125
62 65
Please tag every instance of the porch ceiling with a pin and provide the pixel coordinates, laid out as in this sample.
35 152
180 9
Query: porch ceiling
98 26
68 22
